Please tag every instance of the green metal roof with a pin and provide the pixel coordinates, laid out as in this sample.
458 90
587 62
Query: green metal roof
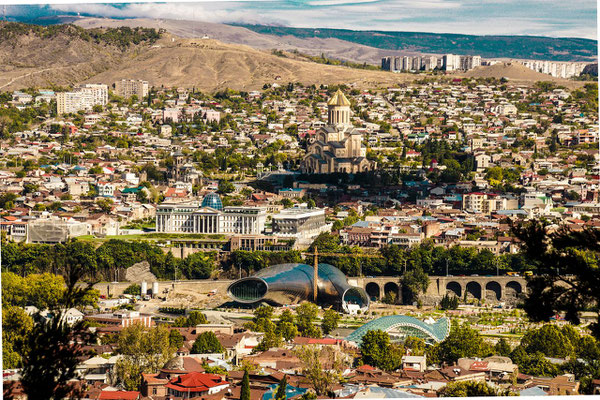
410 326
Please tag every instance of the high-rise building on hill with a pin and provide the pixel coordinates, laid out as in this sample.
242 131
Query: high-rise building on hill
129 87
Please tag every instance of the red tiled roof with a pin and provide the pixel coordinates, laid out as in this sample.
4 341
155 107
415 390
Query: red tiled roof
195 382
365 367
118 395
479 366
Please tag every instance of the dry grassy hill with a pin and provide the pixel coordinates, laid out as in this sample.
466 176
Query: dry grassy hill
212 65
30 60
332 47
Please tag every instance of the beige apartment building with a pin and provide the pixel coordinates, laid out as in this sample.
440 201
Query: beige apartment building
129 87
483 203
84 97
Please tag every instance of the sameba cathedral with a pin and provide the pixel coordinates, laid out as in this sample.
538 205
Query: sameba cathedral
338 146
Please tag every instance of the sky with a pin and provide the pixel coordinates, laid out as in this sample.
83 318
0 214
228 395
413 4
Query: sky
555 18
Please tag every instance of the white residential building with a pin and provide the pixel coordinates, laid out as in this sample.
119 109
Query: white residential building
84 97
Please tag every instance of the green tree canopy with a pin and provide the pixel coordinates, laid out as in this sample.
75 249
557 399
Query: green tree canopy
469 389
331 318
567 272
144 350
463 341
377 351
207 343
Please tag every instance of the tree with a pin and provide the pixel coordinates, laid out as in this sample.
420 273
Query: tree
330 321
280 394
469 389
44 291
198 266
196 318
144 350
54 351
449 302
245 390
262 320
16 325
322 376
306 313
533 364
286 316
414 282
415 345
54 347
567 277
105 204
287 330
175 339
207 343
270 339
325 243
548 340
503 348
377 351
462 341
225 187
134 289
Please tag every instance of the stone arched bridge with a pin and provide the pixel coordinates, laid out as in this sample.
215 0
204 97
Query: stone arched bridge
492 289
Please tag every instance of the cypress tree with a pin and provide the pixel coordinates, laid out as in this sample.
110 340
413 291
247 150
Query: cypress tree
280 394
245 392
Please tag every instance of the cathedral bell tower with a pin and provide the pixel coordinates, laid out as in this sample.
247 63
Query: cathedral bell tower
338 110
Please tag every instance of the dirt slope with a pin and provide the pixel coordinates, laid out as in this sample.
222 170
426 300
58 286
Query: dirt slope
211 65
30 60
332 47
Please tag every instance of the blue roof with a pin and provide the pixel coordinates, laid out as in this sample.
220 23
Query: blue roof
212 200
290 391
533 391
511 212
361 224
432 333
387 393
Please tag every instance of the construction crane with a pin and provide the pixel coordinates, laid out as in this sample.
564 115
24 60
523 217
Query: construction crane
316 255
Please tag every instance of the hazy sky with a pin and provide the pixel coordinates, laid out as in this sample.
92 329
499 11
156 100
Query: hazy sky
570 18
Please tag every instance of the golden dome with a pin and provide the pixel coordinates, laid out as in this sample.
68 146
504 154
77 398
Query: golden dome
338 99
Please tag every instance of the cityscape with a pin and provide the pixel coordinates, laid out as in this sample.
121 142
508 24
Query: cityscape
208 209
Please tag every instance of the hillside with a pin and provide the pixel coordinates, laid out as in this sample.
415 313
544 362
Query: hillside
66 56
332 47
523 47
212 65
63 57
58 55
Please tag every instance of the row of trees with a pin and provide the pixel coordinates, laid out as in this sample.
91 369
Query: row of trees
106 261
289 325
114 256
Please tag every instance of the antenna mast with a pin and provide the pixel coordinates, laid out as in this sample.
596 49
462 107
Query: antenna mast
316 275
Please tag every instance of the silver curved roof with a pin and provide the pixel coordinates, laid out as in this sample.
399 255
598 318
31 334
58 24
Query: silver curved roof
435 332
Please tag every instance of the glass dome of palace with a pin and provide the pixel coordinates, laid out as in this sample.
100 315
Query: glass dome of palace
212 200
